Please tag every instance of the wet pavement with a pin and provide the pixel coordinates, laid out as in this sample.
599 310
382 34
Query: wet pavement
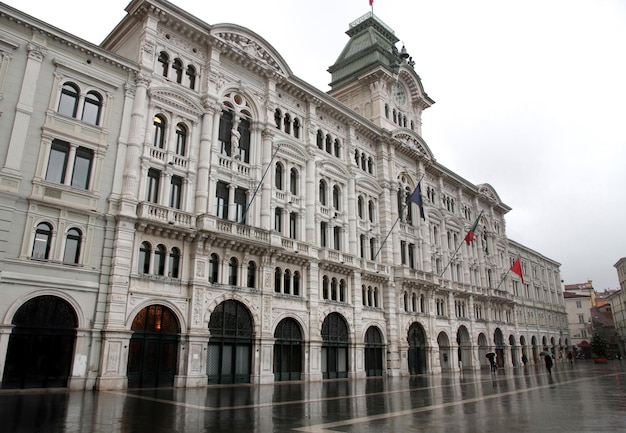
580 398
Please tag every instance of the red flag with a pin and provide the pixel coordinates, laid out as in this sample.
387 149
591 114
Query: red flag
469 237
371 2
517 268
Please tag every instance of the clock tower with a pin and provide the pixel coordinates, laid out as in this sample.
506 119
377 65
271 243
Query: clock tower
375 79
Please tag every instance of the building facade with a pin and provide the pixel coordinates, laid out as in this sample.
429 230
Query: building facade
179 209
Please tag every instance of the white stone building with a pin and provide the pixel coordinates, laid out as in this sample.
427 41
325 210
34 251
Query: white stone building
224 221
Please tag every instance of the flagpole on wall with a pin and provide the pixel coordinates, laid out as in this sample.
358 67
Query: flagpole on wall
400 214
269 164
467 239
509 270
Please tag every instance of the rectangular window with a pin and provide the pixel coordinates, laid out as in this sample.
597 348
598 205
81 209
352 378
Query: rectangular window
337 238
57 161
241 196
403 252
221 200
581 318
82 168
176 189
293 220
579 304
324 234
152 188
412 256
278 219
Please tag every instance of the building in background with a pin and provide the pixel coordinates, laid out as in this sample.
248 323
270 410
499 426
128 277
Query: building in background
179 209
618 306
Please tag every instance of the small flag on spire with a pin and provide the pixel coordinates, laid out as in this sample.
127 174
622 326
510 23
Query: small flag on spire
517 269
469 237
371 2
416 196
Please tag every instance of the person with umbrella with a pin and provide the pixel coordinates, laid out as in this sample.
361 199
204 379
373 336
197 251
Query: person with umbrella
491 356
548 358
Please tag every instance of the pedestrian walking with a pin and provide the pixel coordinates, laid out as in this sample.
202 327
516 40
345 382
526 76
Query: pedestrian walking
491 356
570 357
524 359
548 359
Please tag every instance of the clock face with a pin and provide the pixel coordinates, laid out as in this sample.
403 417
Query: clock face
399 94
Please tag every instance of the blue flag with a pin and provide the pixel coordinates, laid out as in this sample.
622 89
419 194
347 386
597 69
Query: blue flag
416 198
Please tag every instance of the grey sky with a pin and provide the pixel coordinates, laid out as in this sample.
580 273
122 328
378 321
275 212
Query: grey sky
530 98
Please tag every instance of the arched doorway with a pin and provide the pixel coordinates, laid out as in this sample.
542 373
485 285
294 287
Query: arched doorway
41 345
153 348
335 344
445 359
374 352
483 349
498 339
465 348
514 359
230 344
287 350
417 349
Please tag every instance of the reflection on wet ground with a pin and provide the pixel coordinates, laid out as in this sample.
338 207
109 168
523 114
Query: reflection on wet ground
580 398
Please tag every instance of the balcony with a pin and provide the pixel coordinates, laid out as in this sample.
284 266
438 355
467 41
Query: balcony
161 214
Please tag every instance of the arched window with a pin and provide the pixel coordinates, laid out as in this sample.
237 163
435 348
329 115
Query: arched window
325 287
329 144
278 176
251 274
244 140
359 206
322 193
376 297
43 239
406 302
159 260
287 123
371 210
191 74
277 117
213 268
72 246
158 131
296 127
68 103
287 282
362 244
143 266
178 70
337 148
342 291
91 108
363 161
296 283
174 264
387 111
293 181
181 139
333 289
320 139
356 157
336 197
233 266
224 134
370 165
164 60
277 279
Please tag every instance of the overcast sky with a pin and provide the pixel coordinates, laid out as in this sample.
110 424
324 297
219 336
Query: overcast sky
530 98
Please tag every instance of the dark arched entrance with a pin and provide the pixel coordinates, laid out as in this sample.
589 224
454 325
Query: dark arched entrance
230 345
374 352
335 339
153 348
417 349
41 345
498 339
287 350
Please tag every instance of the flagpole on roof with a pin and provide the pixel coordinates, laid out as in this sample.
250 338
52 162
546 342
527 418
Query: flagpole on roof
467 239
399 213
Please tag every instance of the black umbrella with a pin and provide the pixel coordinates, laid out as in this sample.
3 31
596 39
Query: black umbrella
490 355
